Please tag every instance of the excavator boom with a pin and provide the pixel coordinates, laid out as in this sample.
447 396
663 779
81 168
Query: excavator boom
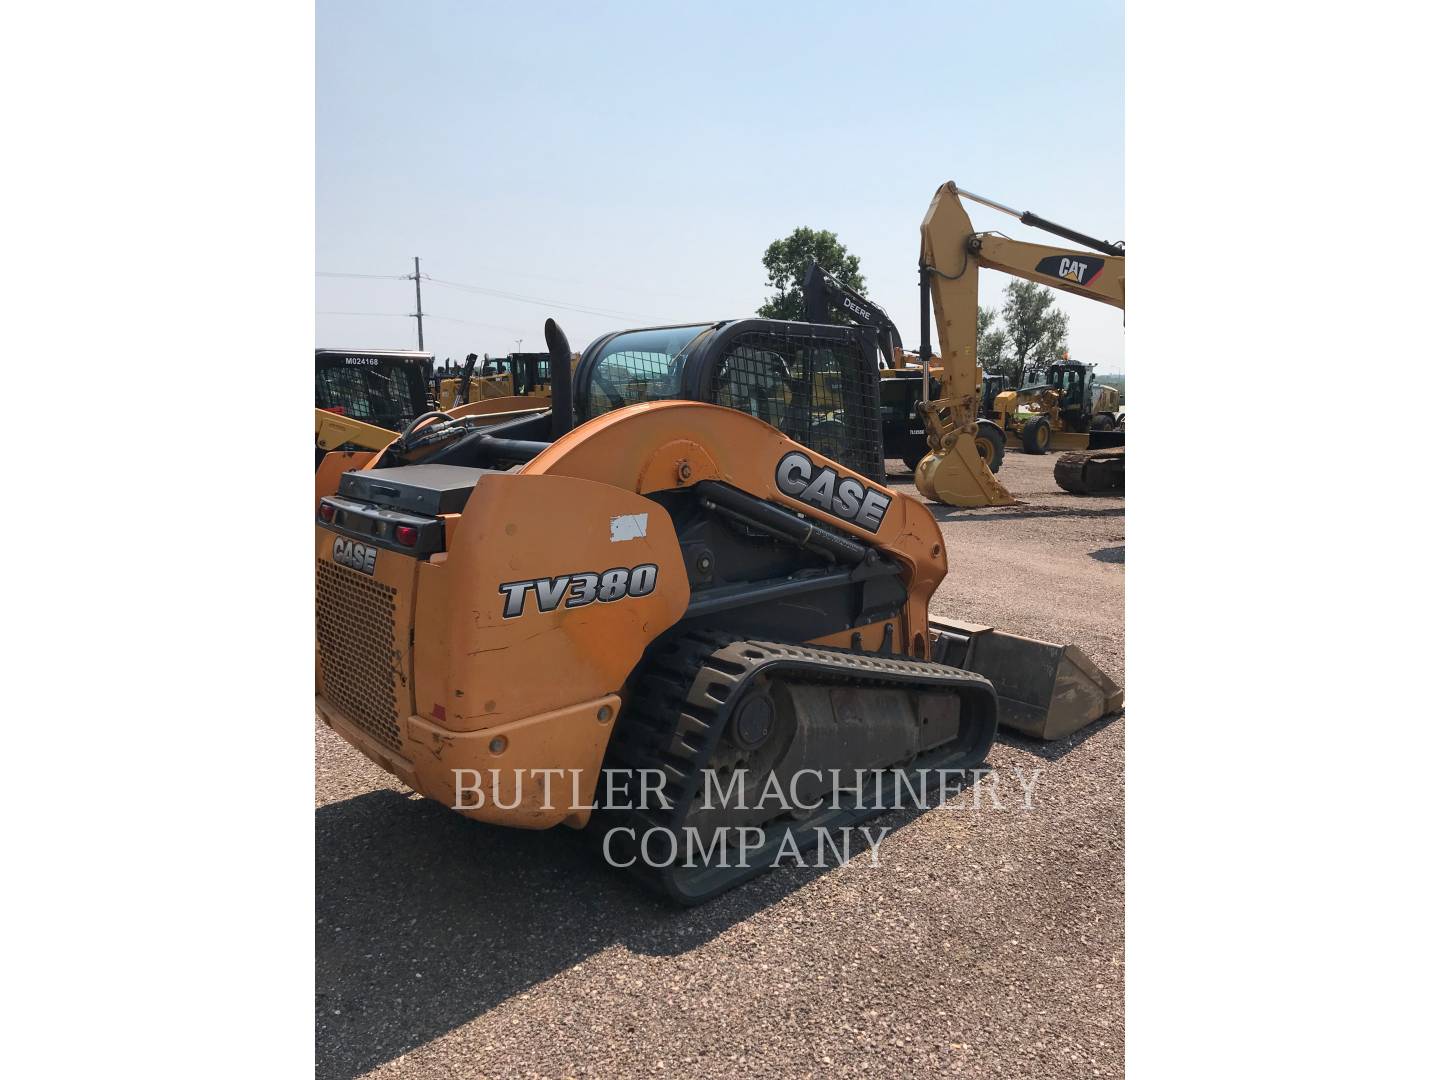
952 254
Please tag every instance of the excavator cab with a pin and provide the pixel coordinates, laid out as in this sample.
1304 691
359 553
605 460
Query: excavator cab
993 384
526 372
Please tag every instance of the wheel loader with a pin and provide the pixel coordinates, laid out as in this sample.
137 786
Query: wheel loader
512 376
685 577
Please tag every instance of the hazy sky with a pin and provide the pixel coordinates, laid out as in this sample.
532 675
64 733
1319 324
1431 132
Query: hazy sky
635 159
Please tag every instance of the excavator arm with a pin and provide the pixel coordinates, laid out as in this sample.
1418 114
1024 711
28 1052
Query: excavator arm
952 255
1082 273
824 293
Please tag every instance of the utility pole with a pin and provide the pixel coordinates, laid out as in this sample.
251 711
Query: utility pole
419 315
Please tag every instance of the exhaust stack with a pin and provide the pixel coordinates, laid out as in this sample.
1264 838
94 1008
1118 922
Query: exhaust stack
562 390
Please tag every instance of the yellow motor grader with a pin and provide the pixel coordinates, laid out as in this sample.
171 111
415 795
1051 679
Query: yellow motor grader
1059 414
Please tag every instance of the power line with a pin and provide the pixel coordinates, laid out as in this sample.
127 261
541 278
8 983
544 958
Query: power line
517 273
471 322
428 315
382 277
540 301
480 290
381 314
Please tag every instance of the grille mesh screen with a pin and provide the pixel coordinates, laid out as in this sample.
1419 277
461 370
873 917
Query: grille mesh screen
818 391
388 396
359 664
629 377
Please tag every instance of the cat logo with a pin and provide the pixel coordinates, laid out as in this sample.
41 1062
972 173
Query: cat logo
1067 268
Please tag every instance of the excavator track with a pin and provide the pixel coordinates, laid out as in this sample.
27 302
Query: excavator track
1091 472
708 703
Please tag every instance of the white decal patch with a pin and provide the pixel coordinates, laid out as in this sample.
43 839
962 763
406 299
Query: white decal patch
628 527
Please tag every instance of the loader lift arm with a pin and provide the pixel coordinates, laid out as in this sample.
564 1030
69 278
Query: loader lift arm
952 254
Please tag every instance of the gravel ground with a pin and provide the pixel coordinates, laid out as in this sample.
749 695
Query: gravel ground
986 942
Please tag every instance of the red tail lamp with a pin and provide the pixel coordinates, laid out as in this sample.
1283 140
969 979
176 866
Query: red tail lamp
327 513
406 534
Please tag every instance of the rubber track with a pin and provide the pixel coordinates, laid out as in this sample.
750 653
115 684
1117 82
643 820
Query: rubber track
1070 470
678 710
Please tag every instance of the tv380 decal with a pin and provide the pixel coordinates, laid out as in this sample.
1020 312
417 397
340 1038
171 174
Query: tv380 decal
579 590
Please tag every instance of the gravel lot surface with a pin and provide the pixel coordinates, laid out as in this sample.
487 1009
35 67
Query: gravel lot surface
987 942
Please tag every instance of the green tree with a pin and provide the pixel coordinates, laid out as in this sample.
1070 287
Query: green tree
785 262
1036 332
990 343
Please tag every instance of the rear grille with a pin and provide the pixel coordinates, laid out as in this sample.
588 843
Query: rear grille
355 632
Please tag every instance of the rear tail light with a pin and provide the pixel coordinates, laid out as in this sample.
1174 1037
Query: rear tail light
327 513
337 409
406 534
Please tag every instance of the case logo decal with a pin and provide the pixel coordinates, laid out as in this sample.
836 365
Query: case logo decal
823 488
354 554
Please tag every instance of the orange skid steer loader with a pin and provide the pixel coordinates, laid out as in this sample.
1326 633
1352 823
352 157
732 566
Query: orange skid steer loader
673 590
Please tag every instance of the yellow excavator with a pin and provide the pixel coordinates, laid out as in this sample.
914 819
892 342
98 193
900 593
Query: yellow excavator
952 254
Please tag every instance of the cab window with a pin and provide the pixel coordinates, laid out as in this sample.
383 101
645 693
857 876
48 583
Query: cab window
639 366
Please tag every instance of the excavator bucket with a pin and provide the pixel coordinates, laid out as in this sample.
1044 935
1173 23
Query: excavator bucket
959 478
1046 691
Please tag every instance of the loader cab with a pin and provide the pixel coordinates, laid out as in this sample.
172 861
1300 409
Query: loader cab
527 372
993 384
383 387
1072 379
816 383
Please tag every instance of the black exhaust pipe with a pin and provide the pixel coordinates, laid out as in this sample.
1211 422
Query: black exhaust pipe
562 404
463 398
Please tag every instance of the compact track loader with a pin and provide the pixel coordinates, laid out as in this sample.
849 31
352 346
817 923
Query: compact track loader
364 396
674 592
